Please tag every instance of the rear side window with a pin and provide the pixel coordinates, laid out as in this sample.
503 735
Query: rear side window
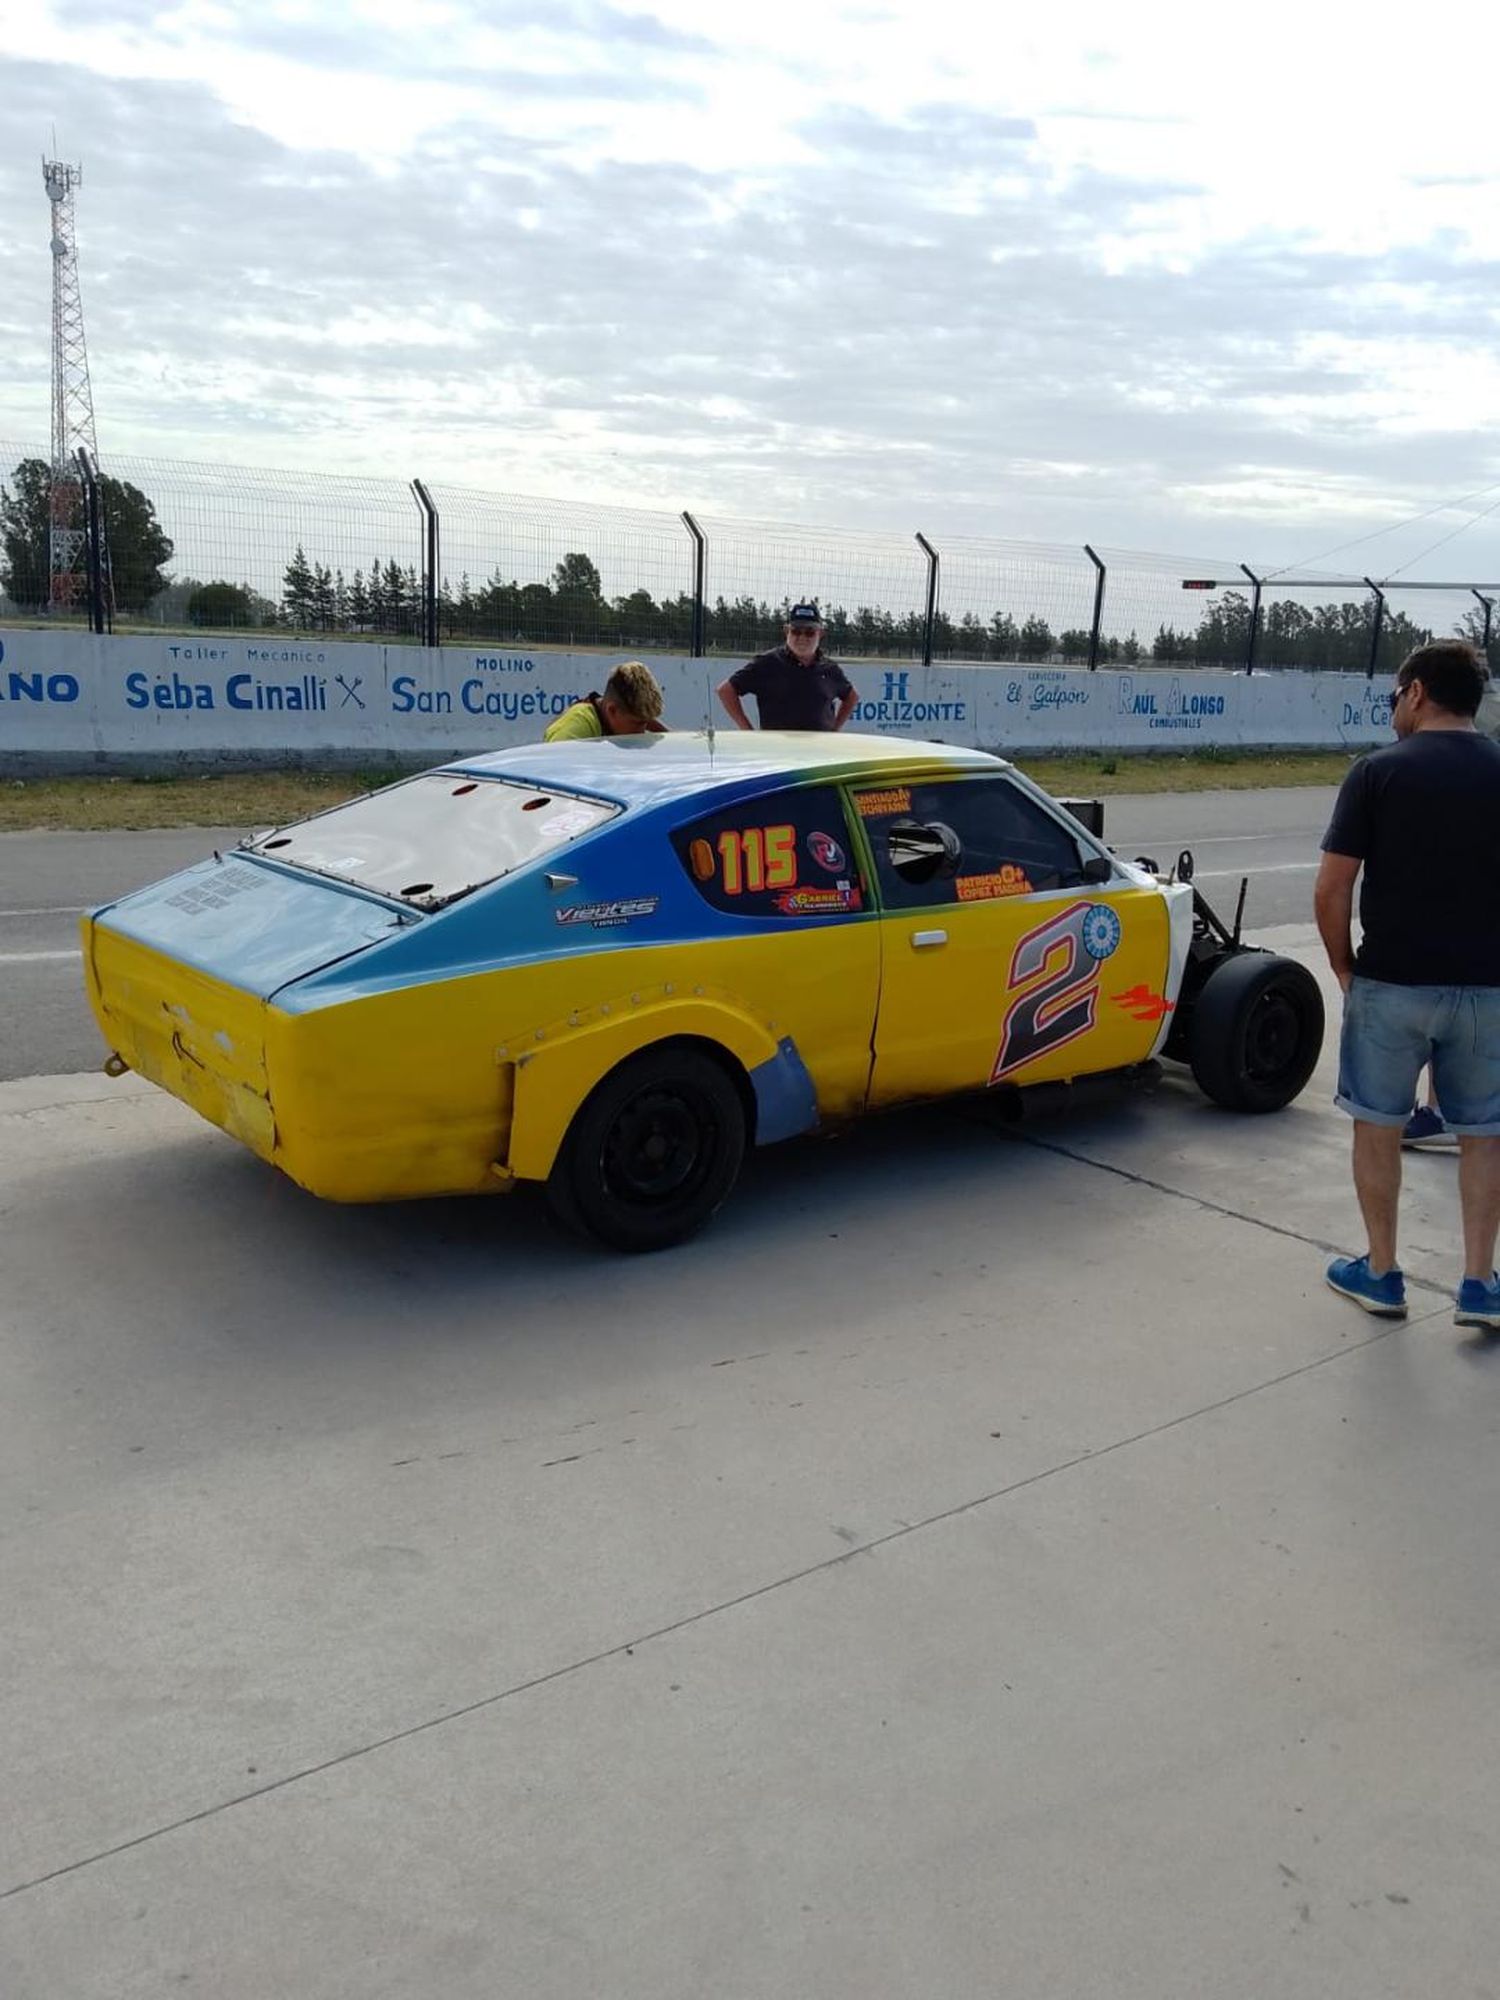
965 841
787 855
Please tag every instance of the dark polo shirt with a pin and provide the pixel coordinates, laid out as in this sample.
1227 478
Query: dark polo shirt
789 695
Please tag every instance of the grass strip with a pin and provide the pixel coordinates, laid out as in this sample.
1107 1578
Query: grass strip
271 798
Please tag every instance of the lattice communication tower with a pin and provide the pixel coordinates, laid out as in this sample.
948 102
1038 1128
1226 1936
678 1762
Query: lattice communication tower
72 398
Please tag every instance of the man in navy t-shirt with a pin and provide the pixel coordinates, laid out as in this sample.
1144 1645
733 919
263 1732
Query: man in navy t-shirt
796 685
1422 818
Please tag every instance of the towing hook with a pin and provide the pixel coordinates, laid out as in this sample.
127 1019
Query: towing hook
116 1065
1185 865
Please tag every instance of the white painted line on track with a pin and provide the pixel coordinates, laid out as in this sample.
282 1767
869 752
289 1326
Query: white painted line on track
35 957
1238 839
1271 868
49 910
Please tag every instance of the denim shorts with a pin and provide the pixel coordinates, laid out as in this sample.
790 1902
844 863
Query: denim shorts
1391 1032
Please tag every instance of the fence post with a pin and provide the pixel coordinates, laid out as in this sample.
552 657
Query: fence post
700 570
932 591
1100 572
93 540
429 514
1489 610
1254 638
1376 627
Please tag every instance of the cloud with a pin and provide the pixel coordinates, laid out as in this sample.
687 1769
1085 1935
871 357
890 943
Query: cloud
921 314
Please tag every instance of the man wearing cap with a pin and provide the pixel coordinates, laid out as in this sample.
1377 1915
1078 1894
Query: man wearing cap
796 685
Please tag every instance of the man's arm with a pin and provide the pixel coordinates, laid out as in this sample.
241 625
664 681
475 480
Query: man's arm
848 702
728 694
1333 906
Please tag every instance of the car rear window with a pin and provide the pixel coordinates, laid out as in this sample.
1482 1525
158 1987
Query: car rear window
432 839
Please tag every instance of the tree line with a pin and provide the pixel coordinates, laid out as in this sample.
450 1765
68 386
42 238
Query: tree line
1332 638
572 608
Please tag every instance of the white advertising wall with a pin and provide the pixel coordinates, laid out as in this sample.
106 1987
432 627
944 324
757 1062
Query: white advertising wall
73 702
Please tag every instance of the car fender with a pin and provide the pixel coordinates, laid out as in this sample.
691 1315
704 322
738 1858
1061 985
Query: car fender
557 1065
1179 901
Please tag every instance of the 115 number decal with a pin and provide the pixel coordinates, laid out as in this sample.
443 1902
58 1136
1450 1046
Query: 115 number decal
751 858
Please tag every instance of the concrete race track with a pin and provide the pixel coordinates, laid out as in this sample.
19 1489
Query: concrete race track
988 1563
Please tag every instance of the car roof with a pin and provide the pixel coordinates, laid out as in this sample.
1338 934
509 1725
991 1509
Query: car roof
653 770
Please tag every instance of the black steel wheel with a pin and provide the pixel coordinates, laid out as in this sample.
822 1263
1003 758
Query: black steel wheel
1256 1032
653 1152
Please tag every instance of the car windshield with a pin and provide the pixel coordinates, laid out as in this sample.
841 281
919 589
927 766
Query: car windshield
434 838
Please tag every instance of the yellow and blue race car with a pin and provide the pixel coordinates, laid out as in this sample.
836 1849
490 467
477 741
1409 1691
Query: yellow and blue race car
611 967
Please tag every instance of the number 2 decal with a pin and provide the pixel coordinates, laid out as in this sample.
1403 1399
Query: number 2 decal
1057 968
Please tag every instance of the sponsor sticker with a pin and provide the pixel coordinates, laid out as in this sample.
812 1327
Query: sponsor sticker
880 805
818 902
605 916
571 820
1143 1003
826 851
1010 880
1101 930
218 892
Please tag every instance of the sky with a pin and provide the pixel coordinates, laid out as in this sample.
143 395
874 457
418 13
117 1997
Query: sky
1159 278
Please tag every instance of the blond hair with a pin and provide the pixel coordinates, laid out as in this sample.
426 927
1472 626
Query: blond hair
636 689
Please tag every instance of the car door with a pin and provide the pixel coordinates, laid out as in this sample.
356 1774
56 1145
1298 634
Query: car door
1001 961
791 932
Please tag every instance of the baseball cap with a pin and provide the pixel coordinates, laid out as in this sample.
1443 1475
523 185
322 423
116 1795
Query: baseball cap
804 614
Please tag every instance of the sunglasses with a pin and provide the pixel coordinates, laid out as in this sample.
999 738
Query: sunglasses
804 631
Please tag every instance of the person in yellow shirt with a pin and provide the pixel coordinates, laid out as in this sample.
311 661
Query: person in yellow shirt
629 706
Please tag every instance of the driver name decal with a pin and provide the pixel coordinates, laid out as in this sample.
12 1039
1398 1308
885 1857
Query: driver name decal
881 805
818 902
1009 880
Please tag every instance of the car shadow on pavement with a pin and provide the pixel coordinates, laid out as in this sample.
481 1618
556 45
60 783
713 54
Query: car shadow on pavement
188 1226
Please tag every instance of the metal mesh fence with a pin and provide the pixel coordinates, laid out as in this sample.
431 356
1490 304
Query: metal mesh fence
1157 613
1415 613
1333 625
1315 623
548 572
1200 612
1030 601
231 548
260 550
871 588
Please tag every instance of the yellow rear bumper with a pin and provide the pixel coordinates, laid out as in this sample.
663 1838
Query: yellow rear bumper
198 1038
374 1100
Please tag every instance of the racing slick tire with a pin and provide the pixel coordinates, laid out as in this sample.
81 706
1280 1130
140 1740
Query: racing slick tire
652 1152
1256 1032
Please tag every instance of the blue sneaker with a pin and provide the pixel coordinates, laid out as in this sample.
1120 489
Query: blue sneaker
1385 1296
1425 1127
1478 1303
